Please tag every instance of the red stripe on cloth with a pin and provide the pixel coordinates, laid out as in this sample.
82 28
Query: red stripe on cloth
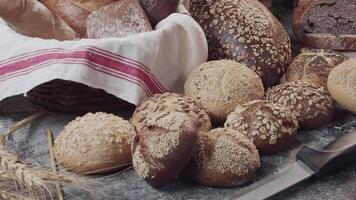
91 57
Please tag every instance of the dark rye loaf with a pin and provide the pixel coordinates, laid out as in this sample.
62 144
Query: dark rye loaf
245 31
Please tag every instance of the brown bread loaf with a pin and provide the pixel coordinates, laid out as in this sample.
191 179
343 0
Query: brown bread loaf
157 10
245 31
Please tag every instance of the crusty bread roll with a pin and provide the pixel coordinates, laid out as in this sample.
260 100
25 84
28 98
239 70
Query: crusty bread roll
95 143
245 31
312 105
170 102
33 19
342 84
219 86
271 127
164 146
118 19
313 66
223 159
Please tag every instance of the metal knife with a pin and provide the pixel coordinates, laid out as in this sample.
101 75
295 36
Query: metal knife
310 163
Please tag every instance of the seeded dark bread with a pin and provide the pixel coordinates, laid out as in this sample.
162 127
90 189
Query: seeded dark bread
223 159
157 10
164 146
312 105
171 102
247 32
326 24
271 127
219 86
342 84
313 66
95 143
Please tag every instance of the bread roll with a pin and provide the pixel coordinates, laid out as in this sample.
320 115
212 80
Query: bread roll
33 19
163 147
312 105
157 10
94 143
342 84
118 19
271 127
170 102
219 86
223 159
247 32
313 66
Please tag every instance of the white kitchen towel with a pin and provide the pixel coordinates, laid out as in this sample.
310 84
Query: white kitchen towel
130 68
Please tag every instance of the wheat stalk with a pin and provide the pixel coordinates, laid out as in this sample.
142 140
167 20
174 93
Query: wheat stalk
6 195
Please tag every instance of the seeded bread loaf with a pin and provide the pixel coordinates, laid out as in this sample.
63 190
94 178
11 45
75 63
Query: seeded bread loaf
271 127
342 84
95 143
312 105
157 10
171 102
164 146
223 159
313 66
327 24
219 86
247 32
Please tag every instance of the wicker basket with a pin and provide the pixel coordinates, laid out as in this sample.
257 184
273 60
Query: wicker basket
67 96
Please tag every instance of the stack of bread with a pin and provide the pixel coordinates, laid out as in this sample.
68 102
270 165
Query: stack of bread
231 113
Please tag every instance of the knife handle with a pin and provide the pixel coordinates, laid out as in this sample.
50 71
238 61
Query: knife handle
339 153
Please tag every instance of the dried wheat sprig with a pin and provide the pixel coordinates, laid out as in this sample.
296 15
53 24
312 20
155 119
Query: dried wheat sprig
6 195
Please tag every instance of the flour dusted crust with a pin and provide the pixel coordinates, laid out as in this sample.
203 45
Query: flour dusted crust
313 66
164 146
118 19
271 127
245 31
94 143
342 84
312 105
219 86
170 102
223 159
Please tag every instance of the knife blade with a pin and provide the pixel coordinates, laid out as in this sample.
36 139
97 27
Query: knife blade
310 162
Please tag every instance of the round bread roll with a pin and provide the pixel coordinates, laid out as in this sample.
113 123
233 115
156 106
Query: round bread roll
223 159
170 102
164 146
94 143
271 127
342 84
312 105
219 86
313 66
244 31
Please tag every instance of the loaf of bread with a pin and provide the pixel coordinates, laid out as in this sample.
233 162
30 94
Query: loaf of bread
326 24
118 19
164 146
267 3
245 31
219 86
95 143
31 18
157 10
313 66
223 159
342 84
271 127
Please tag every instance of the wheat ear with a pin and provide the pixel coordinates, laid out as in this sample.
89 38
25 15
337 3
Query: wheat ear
5 195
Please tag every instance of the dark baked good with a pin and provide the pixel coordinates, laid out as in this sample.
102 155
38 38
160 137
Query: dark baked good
219 86
118 19
245 31
326 24
313 66
95 143
157 10
342 84
271 127
267 3
170 102
312 105
223 159
164 146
